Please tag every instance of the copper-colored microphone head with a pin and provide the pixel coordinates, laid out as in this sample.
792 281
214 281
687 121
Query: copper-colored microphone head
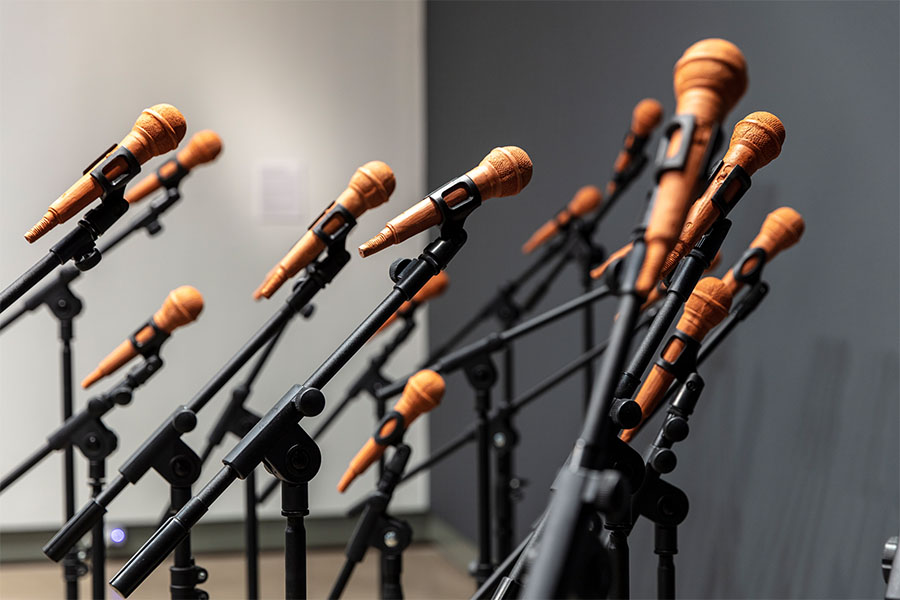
706 308
182 306
646 116
423 392
503 172
370 185
157 130
782 229
203 147
586 200
714 68
756 141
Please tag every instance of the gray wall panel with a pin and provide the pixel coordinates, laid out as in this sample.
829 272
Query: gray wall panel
792 466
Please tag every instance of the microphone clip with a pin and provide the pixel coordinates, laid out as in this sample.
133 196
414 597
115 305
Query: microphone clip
686 362
151 347
453 217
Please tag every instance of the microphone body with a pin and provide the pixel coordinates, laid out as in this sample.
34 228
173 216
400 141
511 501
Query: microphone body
181 306
782 229
644 119
586 200
503 172
157 130
435 287
423 392
705 309
202 148
710 78
370 186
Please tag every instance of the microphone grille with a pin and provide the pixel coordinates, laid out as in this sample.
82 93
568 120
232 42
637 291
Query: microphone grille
716 64
182 306
646 116
164 127
375 182
762 131
429 387
513 166
586 200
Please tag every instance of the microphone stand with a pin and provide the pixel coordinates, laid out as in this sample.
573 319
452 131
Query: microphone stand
376 528
65 306
96 442
278 439
184 418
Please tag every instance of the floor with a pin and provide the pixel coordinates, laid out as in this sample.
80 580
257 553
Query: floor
426 574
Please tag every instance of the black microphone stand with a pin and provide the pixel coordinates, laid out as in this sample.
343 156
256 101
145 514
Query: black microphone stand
167 437
65 306
96 442
375 527
278 438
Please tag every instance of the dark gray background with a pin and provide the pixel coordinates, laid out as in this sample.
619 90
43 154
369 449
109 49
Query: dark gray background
792 466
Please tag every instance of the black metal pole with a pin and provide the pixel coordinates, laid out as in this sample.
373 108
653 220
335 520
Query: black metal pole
28 280
665 546
294 507
251 537
71 562
484 567
97 474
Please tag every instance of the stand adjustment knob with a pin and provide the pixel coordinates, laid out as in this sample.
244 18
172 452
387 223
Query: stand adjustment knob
88 261
625 413
676 429
663 460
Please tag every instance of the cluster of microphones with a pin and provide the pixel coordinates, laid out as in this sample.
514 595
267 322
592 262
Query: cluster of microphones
661 270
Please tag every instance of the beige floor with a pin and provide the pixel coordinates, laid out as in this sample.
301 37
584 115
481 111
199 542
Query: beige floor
426 574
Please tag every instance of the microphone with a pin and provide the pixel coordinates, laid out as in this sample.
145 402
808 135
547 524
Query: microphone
180 307
370 186
707 306
435 287
645 118
158 130
423 392
782 229
756 141
659 292
710 77
202 148
503 172
586 200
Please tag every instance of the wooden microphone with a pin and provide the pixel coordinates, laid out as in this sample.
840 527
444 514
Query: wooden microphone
644 119
181 306
586 200
423 392
202 148
705 309
782 229
159 129
710 77
370 186
503 172
435 287
756 141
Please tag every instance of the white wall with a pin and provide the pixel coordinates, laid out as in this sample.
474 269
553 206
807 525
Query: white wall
331 84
